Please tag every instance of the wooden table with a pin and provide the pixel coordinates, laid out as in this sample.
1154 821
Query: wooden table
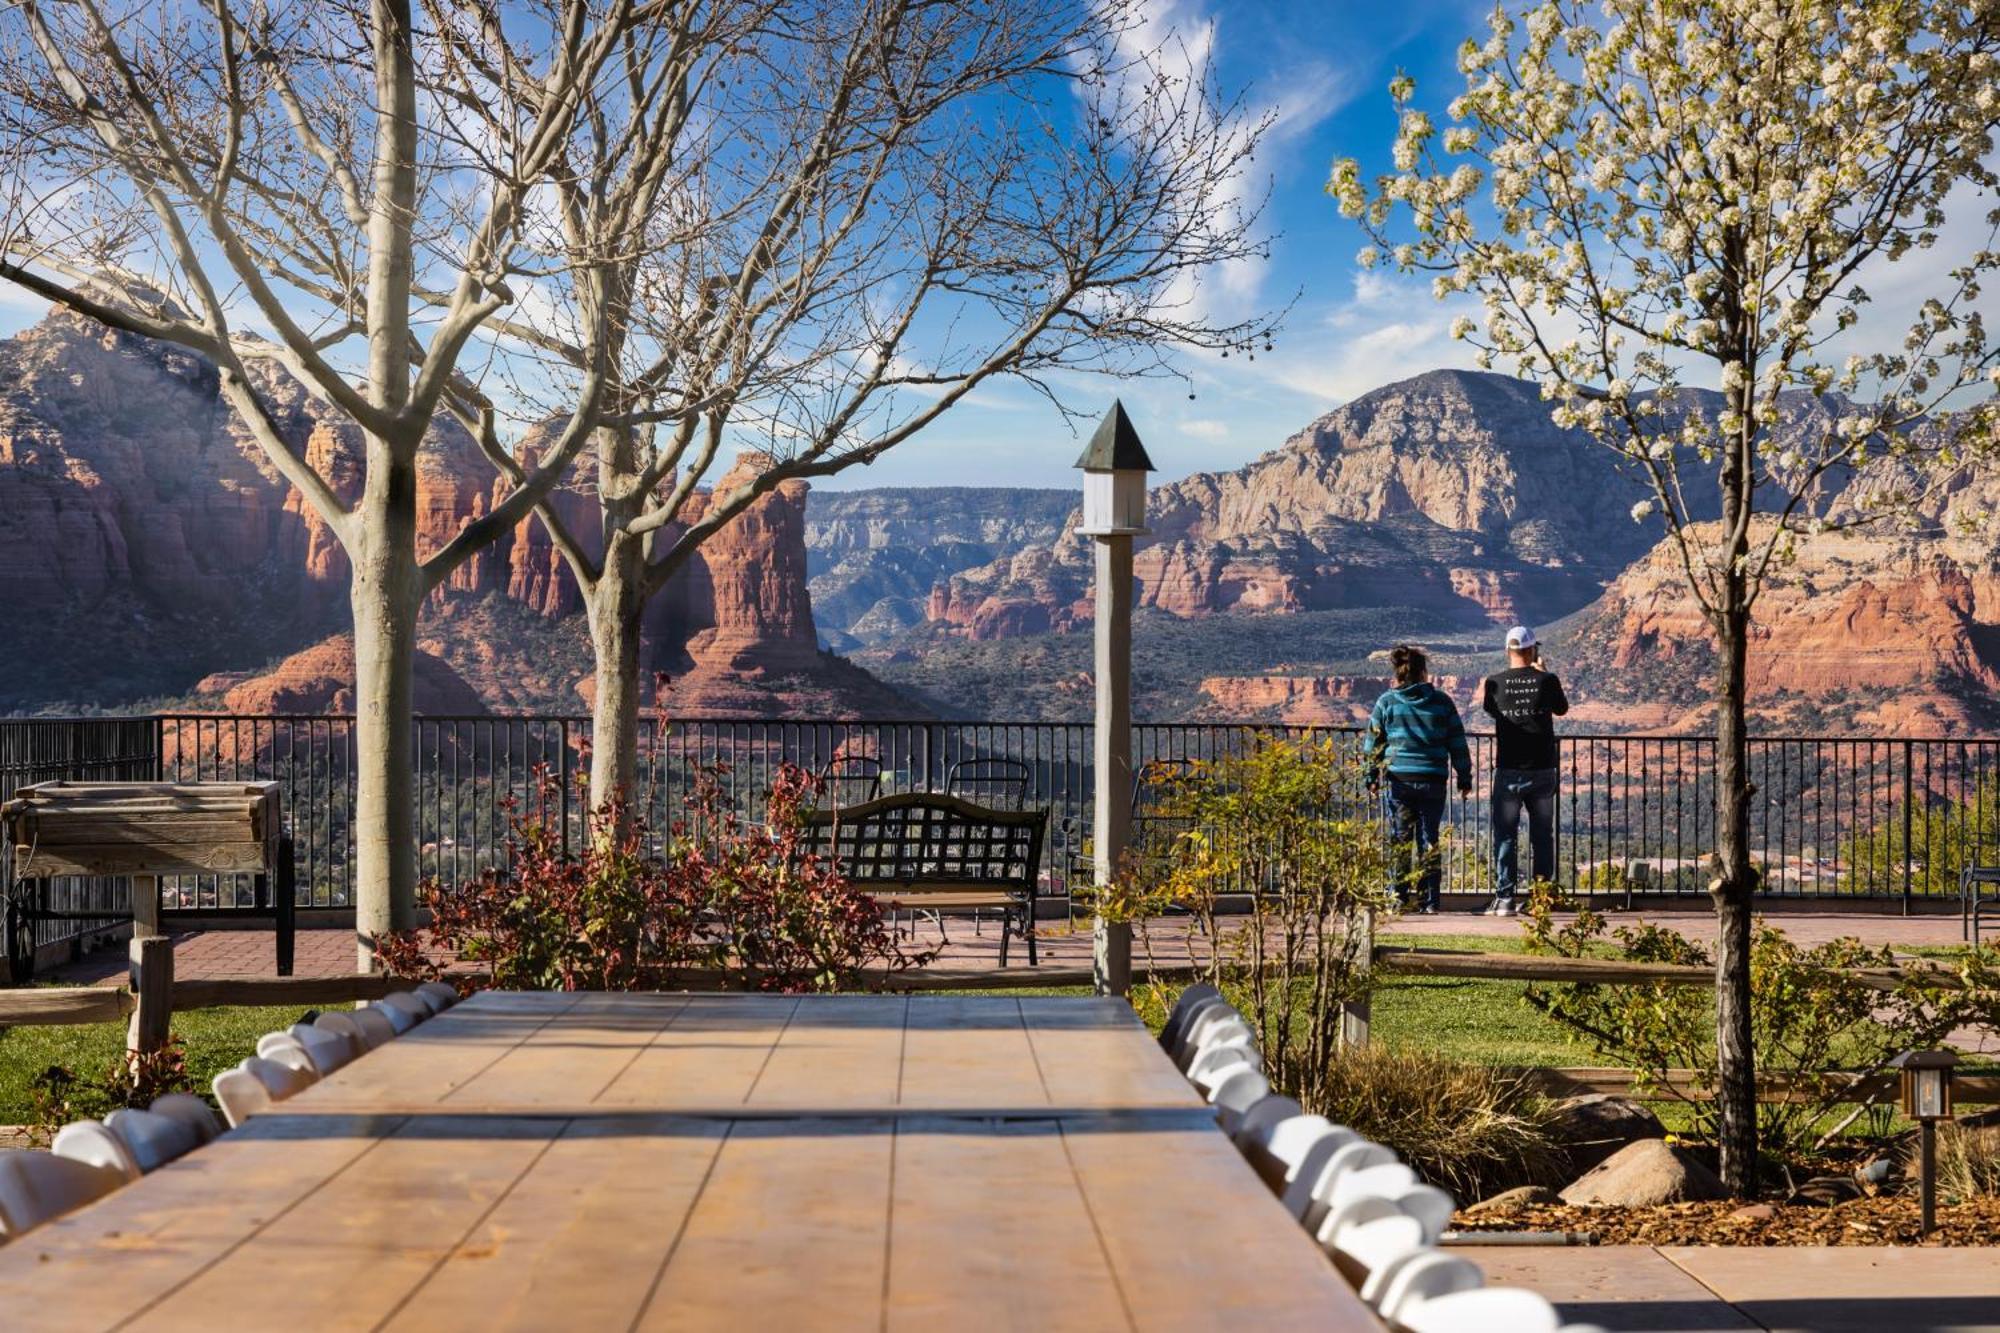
702 1162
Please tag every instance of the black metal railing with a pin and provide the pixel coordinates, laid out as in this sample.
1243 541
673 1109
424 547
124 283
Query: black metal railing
1832 817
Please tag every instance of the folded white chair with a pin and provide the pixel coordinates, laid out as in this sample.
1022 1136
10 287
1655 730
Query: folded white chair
1185 1004
1235 1032
152 1139
341 1023
403 1010
241 1094
1356 1156
89 1142
1209 1027
1429 1205
1234 1096
1305 1158
443 992
1263 1118
1219 1062
285 1049
38 1187
430 1004
1180 1036
376 1027
1425 1277
1513 1308
191 1111
328 1049
1375 1250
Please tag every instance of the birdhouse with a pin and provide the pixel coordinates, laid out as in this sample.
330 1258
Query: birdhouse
1114 478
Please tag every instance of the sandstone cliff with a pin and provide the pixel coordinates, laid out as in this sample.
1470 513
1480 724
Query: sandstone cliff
151 543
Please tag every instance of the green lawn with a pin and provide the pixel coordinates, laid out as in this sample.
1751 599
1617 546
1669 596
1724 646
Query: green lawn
215 1039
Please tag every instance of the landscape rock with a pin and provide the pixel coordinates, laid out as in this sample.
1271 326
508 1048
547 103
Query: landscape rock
1525 1196
1592 1127
1826 1192
1754 1212
1643 1174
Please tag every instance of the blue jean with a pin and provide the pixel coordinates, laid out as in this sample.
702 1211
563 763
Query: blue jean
1516 789
1415 809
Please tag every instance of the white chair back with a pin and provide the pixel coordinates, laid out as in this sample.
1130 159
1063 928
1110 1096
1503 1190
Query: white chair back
152 1139
1219 1062
376 1028
1190 1002
191 1111
1512 1308
285 1049
241 1094
1263 1118
89 1142
1431 1206
328 1048
1355 1156
1378 1248
1303 1171
1426 1278
1213 1028
445 994
38 1187
280 1080
408 1003
1235 1095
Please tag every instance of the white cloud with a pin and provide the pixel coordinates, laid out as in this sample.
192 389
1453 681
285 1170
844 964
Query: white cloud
1205 428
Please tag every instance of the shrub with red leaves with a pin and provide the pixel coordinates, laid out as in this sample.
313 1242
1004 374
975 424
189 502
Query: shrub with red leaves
727 895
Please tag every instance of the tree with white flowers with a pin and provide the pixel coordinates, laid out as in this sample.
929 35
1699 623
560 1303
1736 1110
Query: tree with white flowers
1650 196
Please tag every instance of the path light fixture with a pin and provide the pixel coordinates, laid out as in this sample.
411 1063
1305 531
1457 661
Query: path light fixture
1927 1100
1114 512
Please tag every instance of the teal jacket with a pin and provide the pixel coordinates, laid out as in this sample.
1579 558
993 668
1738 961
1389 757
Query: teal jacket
1415 732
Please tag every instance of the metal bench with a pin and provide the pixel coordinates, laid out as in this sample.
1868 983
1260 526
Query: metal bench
937 854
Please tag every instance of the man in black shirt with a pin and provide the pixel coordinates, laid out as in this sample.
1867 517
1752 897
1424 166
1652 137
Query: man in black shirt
1523 701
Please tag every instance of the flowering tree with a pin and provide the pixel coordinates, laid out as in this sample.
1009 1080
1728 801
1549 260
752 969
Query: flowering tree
1654 195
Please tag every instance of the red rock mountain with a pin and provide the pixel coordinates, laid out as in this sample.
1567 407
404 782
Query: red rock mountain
1451 492
152 544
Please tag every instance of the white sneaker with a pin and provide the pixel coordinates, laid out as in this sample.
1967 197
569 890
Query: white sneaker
1506 907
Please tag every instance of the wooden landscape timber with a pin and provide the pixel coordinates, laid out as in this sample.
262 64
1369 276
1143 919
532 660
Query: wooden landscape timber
1772 1085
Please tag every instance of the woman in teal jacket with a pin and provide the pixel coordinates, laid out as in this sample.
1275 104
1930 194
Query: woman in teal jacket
1417 738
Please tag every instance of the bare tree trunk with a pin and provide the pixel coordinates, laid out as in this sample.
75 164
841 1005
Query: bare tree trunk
616 603
384 596
1732 889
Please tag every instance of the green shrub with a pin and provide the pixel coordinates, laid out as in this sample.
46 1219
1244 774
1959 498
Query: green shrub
1290 824
1812 1017
1470 1129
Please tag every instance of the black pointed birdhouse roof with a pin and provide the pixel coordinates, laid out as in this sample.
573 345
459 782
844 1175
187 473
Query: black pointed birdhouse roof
1115 447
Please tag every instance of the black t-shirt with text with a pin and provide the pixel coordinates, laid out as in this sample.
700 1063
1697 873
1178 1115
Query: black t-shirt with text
1524 703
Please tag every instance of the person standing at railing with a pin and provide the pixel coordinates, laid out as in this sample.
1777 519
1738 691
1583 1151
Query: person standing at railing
1524 701
1416 738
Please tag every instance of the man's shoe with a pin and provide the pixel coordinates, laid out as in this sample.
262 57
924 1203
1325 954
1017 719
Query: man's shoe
1491 909
1507 908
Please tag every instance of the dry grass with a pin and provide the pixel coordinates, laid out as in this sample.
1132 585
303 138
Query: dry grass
1465 1127
1968 1162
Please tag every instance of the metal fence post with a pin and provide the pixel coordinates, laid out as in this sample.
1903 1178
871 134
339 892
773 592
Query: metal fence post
1909 801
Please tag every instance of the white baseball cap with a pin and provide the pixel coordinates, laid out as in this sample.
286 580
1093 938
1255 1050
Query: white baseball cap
1520 637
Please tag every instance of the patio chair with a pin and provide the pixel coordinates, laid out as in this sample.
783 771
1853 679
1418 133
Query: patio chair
1264 1117
328 1048
341 1023
1395 1184
1512 1308
152 1139
38 1187
415 1006
1305 1163
89 1142
191 1111
255 1085
445 994
1280 1149
1427 1277
1186 1005
1182 1047
1234 1096
1233 1034
1371 1248
1222 1062
1978 894
1208 1027
376 1028
850 779
1358 1155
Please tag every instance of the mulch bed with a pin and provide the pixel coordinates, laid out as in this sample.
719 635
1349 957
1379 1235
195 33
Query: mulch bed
1877 1221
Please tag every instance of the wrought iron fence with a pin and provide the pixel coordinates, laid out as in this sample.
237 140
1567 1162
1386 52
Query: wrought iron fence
1836 818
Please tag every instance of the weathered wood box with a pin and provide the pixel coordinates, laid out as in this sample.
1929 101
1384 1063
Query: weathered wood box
144 828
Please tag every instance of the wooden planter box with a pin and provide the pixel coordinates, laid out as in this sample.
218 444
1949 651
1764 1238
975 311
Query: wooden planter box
144 828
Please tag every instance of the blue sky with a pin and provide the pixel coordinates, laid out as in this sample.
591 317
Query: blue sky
1323 69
